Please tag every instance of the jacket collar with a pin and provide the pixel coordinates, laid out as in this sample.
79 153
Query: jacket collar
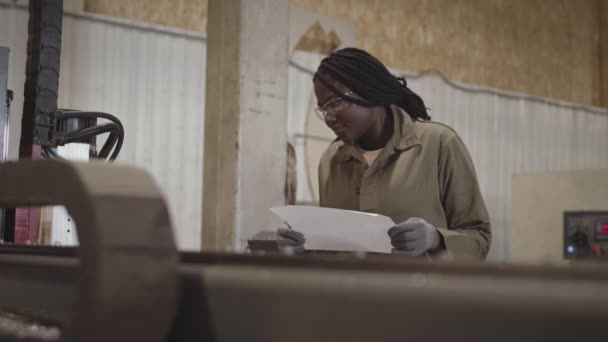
404 137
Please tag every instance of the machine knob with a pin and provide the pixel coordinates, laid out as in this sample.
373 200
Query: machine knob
580 239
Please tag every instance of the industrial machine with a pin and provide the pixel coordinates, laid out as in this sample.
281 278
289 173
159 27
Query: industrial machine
586 235
45 127
127 282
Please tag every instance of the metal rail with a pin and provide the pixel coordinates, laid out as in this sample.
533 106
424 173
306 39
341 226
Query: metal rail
226 297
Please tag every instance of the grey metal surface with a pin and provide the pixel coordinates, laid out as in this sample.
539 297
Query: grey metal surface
36 289
4 118
12 325
278 304
275 298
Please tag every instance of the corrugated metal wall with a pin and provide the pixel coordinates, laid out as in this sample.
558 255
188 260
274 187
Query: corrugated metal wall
151 78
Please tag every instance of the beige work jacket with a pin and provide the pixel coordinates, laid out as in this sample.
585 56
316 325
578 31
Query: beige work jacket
424 171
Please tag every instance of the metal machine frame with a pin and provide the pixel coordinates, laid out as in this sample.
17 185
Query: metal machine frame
43 125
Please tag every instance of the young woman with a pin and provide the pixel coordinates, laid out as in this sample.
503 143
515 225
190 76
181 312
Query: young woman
390 158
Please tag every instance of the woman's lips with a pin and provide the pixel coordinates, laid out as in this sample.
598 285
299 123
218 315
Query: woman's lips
339 130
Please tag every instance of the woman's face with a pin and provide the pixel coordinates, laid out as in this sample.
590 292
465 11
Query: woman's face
348 120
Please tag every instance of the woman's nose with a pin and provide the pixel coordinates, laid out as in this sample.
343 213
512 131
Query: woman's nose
330 117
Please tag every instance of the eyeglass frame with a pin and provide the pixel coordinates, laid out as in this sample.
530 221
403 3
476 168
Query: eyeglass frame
322 111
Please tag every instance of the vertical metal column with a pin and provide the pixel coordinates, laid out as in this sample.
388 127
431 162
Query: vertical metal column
40 98
4 103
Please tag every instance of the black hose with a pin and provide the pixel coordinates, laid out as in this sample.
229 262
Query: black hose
91 132
108 145
111 128
70 113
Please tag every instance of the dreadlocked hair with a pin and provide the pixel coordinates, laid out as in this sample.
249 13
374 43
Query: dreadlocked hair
365 75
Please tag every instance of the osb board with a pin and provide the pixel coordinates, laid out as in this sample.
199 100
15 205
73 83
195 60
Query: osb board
538 47
313 32
539 202
189 15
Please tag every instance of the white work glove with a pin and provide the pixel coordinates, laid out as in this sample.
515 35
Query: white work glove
413 237
290 241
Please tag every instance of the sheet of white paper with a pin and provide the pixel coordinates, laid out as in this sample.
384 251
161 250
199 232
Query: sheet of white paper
338 230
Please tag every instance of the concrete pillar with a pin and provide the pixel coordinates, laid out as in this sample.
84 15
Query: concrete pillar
603 52
245 119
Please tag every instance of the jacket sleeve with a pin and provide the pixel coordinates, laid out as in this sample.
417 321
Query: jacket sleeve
468 235
323 175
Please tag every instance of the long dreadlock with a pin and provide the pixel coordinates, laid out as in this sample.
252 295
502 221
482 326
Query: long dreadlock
369 78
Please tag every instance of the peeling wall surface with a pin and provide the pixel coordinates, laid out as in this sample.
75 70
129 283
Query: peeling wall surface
537 47
544 48
189 15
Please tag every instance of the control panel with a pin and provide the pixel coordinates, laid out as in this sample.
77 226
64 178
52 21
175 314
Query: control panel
586 234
